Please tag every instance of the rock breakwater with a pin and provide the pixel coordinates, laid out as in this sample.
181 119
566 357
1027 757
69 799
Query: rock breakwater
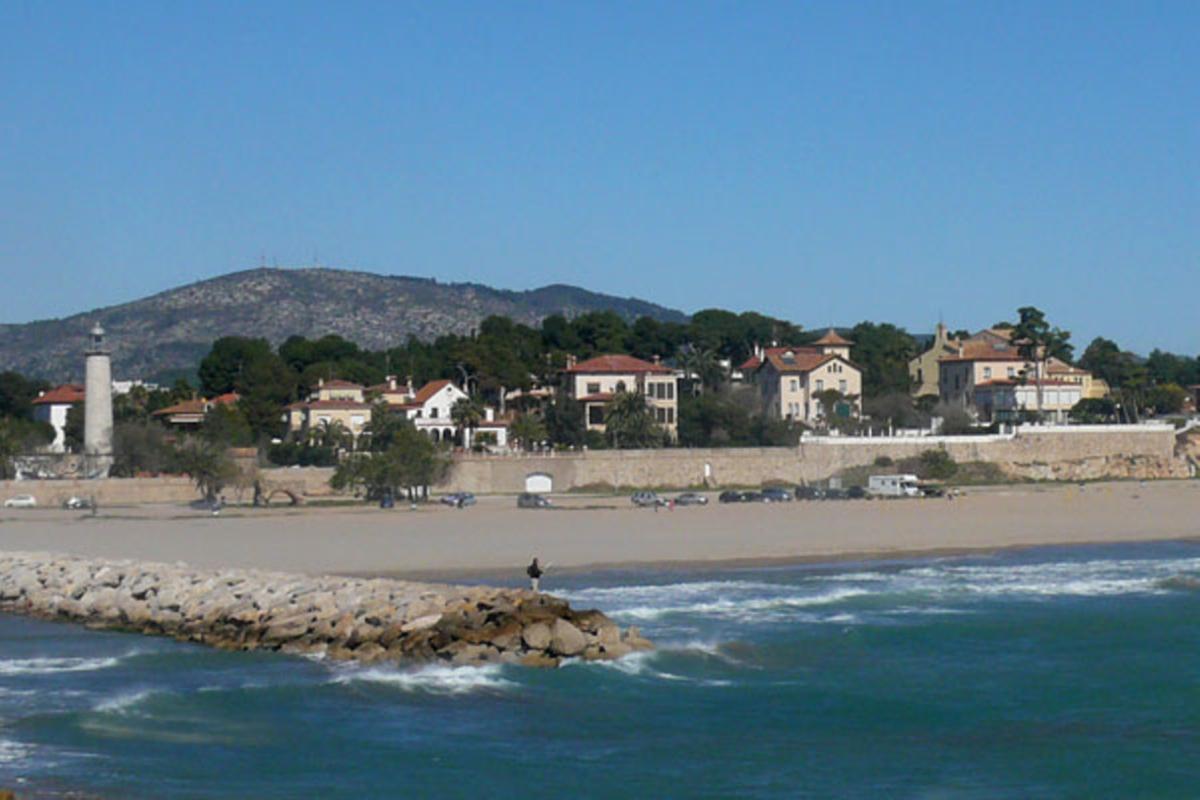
342 618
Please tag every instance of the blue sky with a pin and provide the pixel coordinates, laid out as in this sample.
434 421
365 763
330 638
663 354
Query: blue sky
823 162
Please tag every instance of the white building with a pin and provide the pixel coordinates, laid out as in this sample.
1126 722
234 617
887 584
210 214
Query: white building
52 406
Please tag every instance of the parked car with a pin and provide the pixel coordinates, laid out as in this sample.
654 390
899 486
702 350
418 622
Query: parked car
75 503
691 499
836 494
856 493
732 496
21 501
530 500
647 499
459 499
809 493
754 497
774 494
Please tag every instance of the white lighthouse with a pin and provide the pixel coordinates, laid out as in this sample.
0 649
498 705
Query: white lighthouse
97 404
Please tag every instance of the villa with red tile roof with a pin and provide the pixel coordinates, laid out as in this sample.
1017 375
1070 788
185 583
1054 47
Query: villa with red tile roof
429 409
52 406
191 413
792 380
988 375
596 381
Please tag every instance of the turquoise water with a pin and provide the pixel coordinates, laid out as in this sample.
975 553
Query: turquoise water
1044 673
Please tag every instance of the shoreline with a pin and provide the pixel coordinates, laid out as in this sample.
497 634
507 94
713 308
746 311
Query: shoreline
494 539
832 559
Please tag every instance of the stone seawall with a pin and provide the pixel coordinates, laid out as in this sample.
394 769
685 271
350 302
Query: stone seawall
366 620
1074 453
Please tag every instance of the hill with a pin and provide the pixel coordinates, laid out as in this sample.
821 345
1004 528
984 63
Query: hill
174 329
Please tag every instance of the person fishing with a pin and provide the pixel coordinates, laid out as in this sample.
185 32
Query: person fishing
535 573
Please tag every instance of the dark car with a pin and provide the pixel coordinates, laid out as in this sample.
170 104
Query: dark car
754 497
775 494
459 499
691 499
809 493
732 496
530 500
856 493
837 494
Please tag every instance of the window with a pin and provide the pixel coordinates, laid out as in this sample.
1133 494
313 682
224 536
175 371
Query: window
795 385
595 415
660 415
671 390
593 388
920 375
433 412
1012 372
820 385
842 386
620 386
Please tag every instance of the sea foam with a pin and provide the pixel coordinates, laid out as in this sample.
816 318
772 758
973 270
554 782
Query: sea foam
50 666
435 679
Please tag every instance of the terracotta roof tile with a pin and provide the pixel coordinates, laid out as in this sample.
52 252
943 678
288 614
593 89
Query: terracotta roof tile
617 364
429 390
831 338
67 394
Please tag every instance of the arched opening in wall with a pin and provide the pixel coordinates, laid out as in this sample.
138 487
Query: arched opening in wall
435 434
539 483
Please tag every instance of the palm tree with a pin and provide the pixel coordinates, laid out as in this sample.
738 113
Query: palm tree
629 422
701 368
466 415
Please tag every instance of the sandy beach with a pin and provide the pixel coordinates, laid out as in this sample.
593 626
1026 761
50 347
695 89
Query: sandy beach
495 537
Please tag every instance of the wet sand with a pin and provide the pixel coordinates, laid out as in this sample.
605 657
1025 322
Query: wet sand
494 538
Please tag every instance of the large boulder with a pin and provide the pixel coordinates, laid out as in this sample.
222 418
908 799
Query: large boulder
566 639
536 636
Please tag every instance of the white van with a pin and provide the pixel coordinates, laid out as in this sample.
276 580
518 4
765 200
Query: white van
893 486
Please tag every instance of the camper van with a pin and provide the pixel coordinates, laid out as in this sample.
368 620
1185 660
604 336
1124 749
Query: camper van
893 486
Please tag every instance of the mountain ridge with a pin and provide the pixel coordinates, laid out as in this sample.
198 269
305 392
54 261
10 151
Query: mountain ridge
172 329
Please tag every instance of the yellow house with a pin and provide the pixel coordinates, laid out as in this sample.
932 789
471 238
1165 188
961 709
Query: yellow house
331 403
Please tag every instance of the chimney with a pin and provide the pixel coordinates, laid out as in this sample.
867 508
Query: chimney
320 383
570 361
961 350
656 359
503 391
408 387
489 414
391 383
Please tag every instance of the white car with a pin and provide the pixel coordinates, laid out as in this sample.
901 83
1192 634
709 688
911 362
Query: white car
21 501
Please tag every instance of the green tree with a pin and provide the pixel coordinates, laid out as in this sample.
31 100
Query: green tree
410 464
73 429
565 423
466 414
19 437
1093 411
207 463
628 422
224 368
1037 341
1166 398
702 371
528 431
882 351
140 446
17 394
227 426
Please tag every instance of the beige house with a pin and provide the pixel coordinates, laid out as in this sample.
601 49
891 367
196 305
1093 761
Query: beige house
791 380
988 374
923 369
596 381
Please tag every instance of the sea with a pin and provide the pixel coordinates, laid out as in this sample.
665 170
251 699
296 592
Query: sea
1039 673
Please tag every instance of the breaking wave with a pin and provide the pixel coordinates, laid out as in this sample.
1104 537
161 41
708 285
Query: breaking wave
442 680
50 666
